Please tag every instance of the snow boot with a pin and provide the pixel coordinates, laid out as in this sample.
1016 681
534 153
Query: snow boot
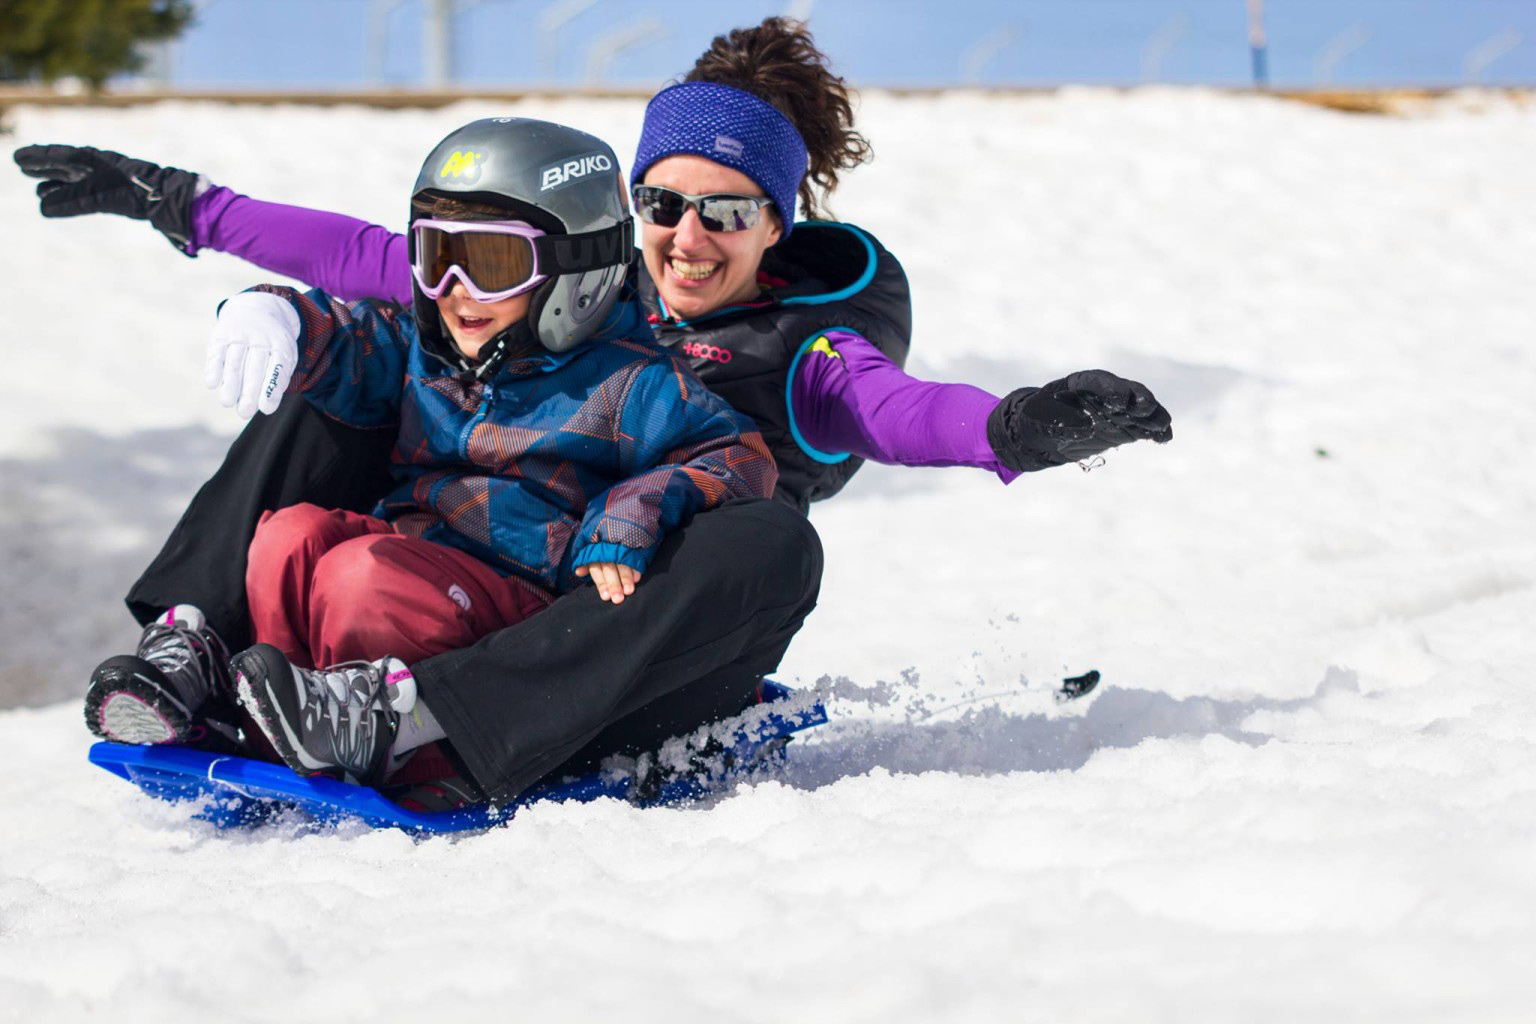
339 721
174 689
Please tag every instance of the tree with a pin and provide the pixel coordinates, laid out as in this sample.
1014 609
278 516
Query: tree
89 39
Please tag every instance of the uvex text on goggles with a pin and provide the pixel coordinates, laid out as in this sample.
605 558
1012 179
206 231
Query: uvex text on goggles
720 211
499 259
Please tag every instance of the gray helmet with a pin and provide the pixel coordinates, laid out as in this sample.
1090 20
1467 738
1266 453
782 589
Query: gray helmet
560 180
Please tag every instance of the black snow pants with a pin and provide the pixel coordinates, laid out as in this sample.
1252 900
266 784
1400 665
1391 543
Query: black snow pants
712 615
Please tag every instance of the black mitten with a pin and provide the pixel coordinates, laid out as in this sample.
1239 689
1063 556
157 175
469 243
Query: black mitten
79 179
1074 419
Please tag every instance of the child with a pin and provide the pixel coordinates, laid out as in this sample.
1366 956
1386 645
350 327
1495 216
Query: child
537 444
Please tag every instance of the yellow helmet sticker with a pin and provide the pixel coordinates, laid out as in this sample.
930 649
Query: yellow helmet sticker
461 165
825 348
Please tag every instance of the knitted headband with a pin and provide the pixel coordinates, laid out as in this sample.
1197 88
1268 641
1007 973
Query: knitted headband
734 129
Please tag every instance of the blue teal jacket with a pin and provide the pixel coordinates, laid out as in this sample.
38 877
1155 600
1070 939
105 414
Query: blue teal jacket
558 460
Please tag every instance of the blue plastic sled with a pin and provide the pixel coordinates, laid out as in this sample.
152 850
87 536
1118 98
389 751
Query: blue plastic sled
237 791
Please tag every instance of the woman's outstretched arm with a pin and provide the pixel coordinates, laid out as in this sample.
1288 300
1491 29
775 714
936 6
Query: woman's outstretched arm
349 258
847 397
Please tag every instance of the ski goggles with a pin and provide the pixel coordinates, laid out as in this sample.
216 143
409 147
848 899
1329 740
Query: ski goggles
494 259
722 211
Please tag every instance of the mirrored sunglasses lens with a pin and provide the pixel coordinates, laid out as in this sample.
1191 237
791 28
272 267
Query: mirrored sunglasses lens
728 213
659 206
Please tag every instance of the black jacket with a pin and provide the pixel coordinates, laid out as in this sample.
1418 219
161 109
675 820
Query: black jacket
837 276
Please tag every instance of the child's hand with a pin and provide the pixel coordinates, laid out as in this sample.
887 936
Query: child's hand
252 352
614 582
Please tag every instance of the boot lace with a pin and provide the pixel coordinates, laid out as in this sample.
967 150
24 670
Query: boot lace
342 700
195 660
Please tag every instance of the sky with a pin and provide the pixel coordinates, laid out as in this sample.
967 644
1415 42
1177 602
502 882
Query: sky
521 43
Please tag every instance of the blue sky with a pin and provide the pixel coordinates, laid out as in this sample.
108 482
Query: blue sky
498 43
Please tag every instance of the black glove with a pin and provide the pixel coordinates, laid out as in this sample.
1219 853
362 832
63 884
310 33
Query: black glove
79 179
1073 419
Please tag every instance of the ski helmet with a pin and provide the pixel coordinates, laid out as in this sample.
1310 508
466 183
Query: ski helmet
560 180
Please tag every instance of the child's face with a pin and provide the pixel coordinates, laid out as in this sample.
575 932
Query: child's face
474 323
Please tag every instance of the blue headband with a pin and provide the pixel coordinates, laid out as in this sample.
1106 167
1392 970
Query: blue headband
734 129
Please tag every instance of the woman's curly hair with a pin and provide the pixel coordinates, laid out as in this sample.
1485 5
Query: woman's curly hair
777 61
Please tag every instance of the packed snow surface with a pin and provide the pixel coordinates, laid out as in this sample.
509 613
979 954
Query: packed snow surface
1305 790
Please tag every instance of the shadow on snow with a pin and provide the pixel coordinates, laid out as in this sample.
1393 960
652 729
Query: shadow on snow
987 739
77 525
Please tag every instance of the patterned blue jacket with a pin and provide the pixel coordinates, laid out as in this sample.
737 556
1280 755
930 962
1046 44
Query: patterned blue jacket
559 460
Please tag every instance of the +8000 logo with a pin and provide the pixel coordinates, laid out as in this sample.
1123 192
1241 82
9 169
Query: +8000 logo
694 350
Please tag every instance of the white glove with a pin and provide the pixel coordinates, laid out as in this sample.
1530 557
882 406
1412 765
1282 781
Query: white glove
253 351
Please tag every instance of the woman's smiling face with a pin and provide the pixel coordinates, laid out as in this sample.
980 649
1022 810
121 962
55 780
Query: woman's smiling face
698 271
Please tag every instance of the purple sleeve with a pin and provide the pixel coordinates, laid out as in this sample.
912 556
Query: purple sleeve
349 258
848 397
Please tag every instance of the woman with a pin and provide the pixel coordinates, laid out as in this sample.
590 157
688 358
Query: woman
803 326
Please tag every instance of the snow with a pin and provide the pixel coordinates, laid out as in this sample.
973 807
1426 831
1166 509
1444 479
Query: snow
1306 787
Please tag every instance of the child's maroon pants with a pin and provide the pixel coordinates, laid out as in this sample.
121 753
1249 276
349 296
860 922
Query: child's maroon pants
327 586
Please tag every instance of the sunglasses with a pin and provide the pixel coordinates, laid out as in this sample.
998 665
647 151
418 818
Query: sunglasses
494 259
722 211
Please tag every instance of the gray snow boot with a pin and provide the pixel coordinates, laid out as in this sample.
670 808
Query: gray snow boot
174 689
340 720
